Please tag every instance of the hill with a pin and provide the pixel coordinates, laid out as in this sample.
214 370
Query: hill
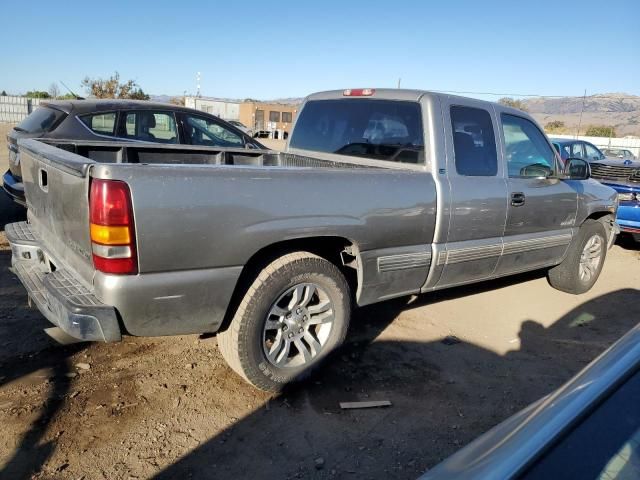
619 110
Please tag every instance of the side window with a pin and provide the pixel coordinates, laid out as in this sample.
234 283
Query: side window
474 143
101 123
203 131
592 153
526 148
148 126
577 151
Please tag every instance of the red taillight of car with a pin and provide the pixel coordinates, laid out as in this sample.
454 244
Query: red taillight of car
112 229
359 92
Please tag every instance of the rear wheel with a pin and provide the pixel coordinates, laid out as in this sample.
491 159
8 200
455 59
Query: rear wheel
294 313
581 268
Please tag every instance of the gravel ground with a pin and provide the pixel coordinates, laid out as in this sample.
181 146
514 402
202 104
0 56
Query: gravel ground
170 408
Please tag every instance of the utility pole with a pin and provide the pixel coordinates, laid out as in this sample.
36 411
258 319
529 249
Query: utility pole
584 98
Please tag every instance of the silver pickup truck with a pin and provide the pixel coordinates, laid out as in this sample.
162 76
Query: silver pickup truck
380 194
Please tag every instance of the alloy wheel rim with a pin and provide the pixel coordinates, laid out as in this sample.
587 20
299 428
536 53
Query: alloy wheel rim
298 326
590 258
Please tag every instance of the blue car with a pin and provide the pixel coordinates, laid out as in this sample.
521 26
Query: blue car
623 175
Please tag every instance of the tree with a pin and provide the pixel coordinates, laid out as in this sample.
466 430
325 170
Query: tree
112 88
177 101
4 94
54 91
600 131
555 126
37 94
512 102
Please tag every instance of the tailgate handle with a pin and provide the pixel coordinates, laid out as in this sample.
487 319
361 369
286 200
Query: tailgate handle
43 180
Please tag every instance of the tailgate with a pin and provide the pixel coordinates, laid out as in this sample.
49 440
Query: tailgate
56 184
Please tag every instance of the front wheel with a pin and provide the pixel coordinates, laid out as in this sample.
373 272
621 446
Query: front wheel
294 313
581 268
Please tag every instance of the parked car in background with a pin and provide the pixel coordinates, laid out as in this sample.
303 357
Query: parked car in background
623 175
619 153
241 126
588 429
270 249
569 148
119 120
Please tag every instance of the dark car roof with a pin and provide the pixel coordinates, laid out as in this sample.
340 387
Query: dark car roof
101 105
564 141
94 105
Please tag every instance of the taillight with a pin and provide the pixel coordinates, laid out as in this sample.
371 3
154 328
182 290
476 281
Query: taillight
112 231
359 92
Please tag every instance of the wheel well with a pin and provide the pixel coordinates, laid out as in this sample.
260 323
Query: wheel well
343 253
598 215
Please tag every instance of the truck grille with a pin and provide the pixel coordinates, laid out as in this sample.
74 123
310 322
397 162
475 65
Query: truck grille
621 172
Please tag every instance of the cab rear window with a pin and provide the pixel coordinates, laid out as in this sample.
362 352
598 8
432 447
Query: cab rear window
41 120
376 129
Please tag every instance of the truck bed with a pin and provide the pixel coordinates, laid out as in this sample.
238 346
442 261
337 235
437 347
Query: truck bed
153 154
201 214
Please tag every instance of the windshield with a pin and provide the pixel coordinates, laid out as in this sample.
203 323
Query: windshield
377 129
42 120
618 153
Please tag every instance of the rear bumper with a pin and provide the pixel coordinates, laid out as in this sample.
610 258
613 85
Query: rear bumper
149 304
14 188
59 296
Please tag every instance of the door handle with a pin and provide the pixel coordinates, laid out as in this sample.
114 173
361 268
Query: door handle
517 199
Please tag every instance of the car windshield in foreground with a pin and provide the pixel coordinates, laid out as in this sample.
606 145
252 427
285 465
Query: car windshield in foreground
42 120
378 129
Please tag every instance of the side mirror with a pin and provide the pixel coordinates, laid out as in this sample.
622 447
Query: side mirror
576 169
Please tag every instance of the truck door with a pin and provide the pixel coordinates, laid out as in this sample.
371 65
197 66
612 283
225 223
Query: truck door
542 209
478 194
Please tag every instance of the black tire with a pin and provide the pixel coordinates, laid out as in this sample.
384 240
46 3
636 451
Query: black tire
241 344
566 276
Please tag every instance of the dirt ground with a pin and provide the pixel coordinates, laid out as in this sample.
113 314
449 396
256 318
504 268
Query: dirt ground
168 408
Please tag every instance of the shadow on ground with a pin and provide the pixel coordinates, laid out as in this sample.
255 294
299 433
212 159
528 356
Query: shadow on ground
440 394
25 350
628 241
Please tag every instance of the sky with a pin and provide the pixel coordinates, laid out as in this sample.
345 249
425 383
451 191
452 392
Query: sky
270 50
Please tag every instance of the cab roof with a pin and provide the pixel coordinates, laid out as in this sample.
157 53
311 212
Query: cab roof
410 95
